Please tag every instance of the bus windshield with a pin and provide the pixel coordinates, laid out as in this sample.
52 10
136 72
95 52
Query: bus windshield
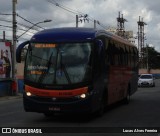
59 64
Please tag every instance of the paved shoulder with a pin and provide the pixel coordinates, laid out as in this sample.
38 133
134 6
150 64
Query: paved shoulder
4 98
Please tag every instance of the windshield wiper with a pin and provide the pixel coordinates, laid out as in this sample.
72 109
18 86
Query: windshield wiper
41 78
49 62
63 67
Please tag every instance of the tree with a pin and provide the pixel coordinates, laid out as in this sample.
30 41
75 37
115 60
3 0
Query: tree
152 58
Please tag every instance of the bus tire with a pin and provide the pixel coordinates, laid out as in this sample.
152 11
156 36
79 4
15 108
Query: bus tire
103 105
127 98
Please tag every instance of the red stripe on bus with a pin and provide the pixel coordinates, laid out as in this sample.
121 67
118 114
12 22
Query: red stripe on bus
55 93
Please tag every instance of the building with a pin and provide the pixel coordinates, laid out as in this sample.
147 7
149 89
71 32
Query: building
6 81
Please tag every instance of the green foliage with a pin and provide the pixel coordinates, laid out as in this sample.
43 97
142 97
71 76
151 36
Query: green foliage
153 58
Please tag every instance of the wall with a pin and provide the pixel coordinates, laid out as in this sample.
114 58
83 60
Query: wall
19 75
152 71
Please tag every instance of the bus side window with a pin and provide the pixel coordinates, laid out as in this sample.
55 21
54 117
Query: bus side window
111 52
117 55
126 56
107 52
99 56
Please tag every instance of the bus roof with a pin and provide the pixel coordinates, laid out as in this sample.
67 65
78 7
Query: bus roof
70 34
73 34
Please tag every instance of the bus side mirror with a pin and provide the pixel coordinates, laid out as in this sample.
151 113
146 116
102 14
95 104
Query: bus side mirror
19 51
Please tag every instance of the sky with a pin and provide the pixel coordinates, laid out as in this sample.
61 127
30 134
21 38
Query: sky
63 14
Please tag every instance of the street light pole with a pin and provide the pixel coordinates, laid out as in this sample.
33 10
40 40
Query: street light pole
45 21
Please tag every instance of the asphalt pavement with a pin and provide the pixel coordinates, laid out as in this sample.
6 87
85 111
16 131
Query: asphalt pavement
16 96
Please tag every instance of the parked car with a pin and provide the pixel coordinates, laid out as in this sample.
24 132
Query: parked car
146 80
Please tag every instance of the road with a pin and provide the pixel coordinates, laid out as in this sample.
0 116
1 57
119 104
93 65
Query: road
142 111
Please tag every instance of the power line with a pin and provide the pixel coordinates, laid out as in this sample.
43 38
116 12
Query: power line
11 27
5 14
6 26
9 21
24 30
5 20
30 22
10 37
17 29
20 25
25 26
76 12
64 7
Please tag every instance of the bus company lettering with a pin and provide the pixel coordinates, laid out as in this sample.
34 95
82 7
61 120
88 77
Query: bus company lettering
36 72
37 67
45 45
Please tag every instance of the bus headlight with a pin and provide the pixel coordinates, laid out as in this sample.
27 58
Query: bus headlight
28 94
83 96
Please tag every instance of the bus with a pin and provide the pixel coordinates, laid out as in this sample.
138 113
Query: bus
77 70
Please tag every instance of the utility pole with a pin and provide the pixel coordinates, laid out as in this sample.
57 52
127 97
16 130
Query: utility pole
81 18
13 49
96 22
141 41
120 26
77 21
4 35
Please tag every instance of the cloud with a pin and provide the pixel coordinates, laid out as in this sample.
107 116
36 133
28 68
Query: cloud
105 11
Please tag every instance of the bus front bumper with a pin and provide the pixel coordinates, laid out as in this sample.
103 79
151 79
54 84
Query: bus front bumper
52 105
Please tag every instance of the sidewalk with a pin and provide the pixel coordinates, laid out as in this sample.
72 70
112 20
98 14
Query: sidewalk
17 96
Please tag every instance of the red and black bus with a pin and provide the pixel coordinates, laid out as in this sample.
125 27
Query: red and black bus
77 70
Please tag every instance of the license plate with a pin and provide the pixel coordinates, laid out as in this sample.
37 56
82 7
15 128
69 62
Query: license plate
145 83
54 109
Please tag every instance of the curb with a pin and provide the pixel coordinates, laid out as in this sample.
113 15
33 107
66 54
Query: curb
4 98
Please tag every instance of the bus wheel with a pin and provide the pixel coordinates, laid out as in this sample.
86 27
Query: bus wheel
102 107
127 98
